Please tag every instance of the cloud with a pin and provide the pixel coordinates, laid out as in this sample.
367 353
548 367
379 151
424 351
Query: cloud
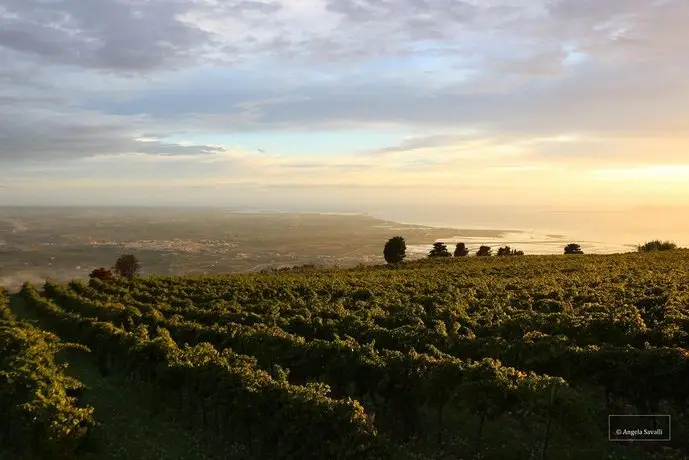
425 142
36 133
369 11
107 34
140 35
556 84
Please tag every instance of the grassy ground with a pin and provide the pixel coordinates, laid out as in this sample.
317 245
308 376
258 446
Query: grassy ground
127 430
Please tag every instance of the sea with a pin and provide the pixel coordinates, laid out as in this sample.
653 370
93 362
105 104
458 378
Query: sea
548 230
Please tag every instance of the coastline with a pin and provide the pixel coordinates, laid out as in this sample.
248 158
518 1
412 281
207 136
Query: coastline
68 242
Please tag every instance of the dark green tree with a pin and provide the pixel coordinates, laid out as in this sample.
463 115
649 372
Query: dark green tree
439 250
395 250
484 251
573 248
127 266
506 251
461 250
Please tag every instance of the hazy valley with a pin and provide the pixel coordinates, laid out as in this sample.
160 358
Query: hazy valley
67 243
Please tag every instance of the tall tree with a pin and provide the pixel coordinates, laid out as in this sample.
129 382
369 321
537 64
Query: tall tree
484 251
127 266
573 248
461 250
395 250
439 250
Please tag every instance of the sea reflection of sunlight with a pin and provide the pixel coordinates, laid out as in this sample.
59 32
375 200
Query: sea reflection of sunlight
529 242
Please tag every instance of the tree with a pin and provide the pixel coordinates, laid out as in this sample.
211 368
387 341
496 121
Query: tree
484 251
439 250
507 251
461 250
395 250
102 274
127 266
573 248
657 245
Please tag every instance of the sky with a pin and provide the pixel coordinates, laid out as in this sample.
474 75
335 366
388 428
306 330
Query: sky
339 104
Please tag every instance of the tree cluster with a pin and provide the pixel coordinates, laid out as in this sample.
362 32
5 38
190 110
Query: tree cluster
507 251
126 266
395 250
657 245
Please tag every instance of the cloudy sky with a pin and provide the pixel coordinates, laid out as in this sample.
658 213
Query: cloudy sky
329 103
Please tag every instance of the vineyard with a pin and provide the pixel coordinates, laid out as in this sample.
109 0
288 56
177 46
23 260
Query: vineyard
478 358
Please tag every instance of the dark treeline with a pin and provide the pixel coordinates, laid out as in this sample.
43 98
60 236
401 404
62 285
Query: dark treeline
395 250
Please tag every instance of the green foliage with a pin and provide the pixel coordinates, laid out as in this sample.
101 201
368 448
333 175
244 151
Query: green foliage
488 358
248 404
439 250
461 250
484 251
657 245
293 268
395 250
127 266
5 313
38 417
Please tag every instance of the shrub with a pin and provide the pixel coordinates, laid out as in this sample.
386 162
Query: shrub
102 274
657 245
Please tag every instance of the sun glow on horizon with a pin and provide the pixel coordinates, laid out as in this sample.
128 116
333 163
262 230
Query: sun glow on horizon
651 173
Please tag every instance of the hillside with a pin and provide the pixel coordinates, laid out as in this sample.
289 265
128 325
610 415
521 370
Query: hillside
491 358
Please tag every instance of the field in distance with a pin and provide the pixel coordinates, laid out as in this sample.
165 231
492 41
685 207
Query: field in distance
67 243
497 358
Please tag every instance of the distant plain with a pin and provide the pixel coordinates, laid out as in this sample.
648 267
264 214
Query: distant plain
67 243
64 243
